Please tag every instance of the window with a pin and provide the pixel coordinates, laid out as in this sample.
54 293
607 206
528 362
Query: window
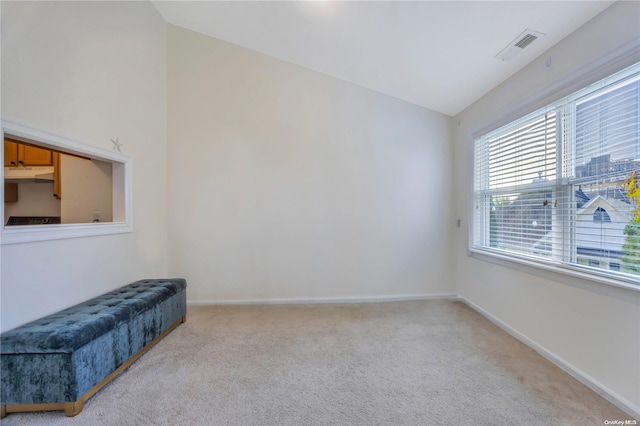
561 186
594 263
59 188
601 215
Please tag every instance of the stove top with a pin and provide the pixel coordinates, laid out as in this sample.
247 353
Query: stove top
33 220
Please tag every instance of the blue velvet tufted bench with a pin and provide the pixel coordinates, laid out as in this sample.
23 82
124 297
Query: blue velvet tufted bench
60 361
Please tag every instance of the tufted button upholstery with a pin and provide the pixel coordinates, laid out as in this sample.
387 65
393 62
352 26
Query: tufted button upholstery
72 328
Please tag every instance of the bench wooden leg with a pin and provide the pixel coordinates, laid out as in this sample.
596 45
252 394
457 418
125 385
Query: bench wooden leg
73 408
184 318
3 412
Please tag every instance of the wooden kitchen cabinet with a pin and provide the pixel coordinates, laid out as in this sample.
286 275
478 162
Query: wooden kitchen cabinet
21 155
17 154
57 187
10 154
10 192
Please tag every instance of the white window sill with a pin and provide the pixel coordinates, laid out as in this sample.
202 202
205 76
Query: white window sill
564 274
30 233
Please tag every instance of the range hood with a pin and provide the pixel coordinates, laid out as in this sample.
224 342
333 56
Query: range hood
28 174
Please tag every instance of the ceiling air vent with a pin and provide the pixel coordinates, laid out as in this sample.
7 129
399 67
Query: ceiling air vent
517 45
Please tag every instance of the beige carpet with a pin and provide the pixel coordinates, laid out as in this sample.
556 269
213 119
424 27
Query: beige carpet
432 362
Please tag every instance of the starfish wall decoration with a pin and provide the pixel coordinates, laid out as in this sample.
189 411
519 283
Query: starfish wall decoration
116 144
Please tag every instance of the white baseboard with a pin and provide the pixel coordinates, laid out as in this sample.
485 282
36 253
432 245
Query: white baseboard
312 300
580 376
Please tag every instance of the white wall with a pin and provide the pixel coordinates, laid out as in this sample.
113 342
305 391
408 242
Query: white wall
88 71
86 189
289 184
593 328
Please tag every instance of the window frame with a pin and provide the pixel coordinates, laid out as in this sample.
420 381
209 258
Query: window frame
566 88
121 181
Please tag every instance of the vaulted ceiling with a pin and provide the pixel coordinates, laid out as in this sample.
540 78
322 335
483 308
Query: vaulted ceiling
437 54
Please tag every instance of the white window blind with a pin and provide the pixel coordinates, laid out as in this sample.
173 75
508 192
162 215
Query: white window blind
558 186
